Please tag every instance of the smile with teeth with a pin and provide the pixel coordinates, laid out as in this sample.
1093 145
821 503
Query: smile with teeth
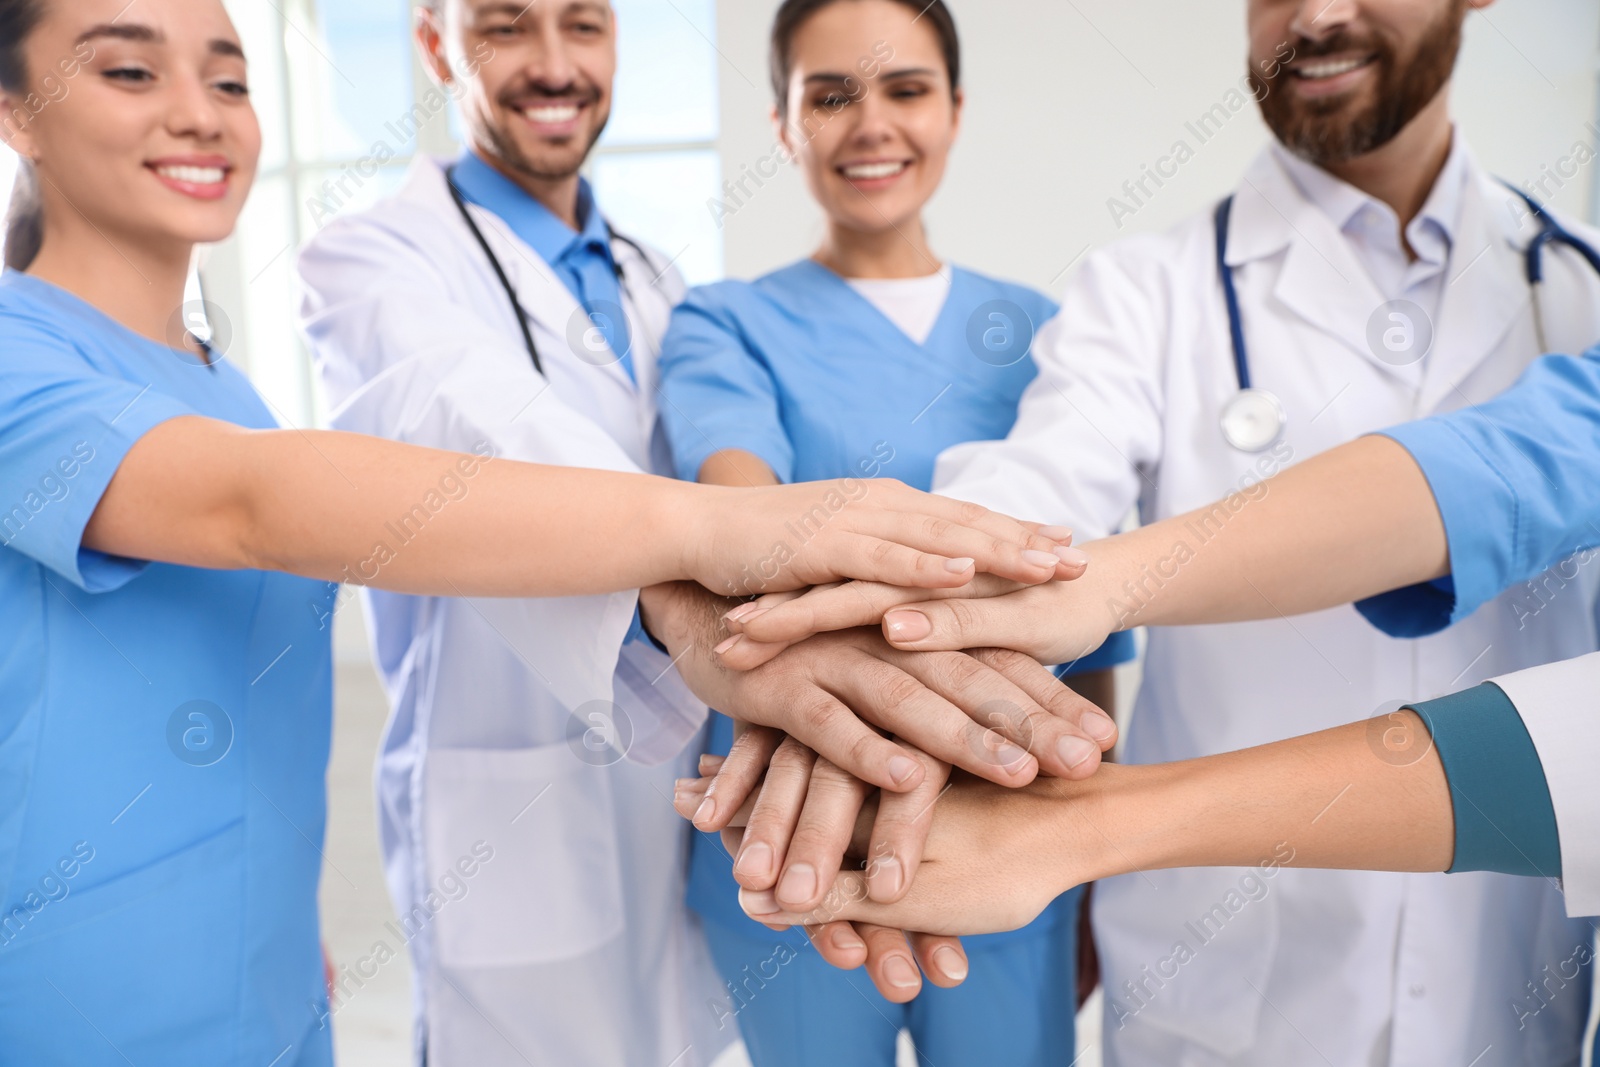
870 171
551 114
194 175
1317 70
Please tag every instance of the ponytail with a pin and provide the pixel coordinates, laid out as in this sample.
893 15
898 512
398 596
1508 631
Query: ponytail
25 220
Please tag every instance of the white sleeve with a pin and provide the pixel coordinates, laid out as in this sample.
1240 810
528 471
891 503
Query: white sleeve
403 354
1089 429
1560 705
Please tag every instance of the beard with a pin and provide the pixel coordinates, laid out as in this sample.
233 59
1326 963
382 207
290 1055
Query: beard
551 164
1338 129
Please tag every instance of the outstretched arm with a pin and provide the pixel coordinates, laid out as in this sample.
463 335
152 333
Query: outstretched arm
351 508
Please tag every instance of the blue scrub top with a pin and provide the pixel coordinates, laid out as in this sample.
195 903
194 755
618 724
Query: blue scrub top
802 371
163 738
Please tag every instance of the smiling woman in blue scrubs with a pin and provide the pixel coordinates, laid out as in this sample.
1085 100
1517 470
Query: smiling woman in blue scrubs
165 724
865 360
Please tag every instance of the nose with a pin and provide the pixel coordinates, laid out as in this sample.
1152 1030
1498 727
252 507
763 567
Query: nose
194 113
1316 19
871 117
549 66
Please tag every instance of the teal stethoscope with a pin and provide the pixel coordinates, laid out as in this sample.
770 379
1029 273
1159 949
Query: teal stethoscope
1253 420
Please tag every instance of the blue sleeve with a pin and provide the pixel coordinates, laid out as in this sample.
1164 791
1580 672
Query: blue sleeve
1119 648
716 393
1504 818
64 430
1517 481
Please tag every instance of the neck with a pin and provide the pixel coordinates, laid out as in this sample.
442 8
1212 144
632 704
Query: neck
898 252
558 195
139 286
1402 173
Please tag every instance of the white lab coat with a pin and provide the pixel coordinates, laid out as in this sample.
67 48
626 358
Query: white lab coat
1308 966
572 943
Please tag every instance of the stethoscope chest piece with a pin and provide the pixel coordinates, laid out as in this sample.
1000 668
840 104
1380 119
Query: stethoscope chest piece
1253 420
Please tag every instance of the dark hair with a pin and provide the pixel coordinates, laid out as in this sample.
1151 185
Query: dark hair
25 219
794 13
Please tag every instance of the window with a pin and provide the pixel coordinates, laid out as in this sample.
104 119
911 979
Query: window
336 84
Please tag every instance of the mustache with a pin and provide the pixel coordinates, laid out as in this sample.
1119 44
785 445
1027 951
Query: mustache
537 93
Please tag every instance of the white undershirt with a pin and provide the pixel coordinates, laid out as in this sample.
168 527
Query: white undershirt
913 304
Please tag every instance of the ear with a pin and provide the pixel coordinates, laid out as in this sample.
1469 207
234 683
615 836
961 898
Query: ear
15 122
955 117
780 130
429 34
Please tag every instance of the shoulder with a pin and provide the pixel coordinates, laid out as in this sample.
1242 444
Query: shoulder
984 288
417 219
34 315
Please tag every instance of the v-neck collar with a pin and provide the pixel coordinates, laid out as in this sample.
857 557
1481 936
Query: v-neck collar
838 281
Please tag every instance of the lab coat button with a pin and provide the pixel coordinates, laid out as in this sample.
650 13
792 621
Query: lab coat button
1418 991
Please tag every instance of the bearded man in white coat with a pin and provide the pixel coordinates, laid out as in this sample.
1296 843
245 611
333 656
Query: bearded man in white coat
1380 278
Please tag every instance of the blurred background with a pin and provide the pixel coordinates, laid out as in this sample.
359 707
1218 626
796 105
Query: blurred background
1066 101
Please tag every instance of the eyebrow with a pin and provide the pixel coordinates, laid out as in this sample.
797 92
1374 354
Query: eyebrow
911 72
142 34
517 10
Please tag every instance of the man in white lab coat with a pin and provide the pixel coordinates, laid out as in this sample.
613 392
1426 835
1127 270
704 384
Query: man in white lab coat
484 768
1380 277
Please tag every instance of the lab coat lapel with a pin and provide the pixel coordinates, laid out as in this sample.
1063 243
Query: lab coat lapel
550 305
1321 281
1483 297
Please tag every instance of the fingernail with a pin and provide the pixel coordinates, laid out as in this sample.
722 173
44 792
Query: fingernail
1056 533
908 625
755 861
845 938
1009 755
952 963
705 812
885 878
729 643
710 764
1074 750
740 612
901 768
1098 725
798 886
1041 559
901 972
956 566
1077 557
758 902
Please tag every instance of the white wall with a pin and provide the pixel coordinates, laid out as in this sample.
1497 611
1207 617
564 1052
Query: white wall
1066 101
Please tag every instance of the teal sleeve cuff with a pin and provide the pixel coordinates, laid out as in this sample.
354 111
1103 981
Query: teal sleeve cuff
1504 818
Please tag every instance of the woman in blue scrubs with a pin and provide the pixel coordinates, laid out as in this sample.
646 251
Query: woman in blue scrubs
865 360
164 728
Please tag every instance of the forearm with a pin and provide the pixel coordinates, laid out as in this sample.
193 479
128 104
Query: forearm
351 508
1367 796
737 468
1356 521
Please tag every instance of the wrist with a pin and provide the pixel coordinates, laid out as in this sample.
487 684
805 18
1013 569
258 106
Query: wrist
676 516
1119 821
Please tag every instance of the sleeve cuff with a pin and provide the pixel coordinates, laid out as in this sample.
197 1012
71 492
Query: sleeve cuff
1504 818
1118 648
1471 494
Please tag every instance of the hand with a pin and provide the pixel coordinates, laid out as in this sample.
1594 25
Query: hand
799 826
1056 622
995 858
745 542
998 715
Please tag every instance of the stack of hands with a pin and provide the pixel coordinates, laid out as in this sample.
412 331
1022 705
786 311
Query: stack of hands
864 707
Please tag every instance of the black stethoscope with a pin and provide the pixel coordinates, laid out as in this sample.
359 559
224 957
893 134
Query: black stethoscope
505 282
1253 420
